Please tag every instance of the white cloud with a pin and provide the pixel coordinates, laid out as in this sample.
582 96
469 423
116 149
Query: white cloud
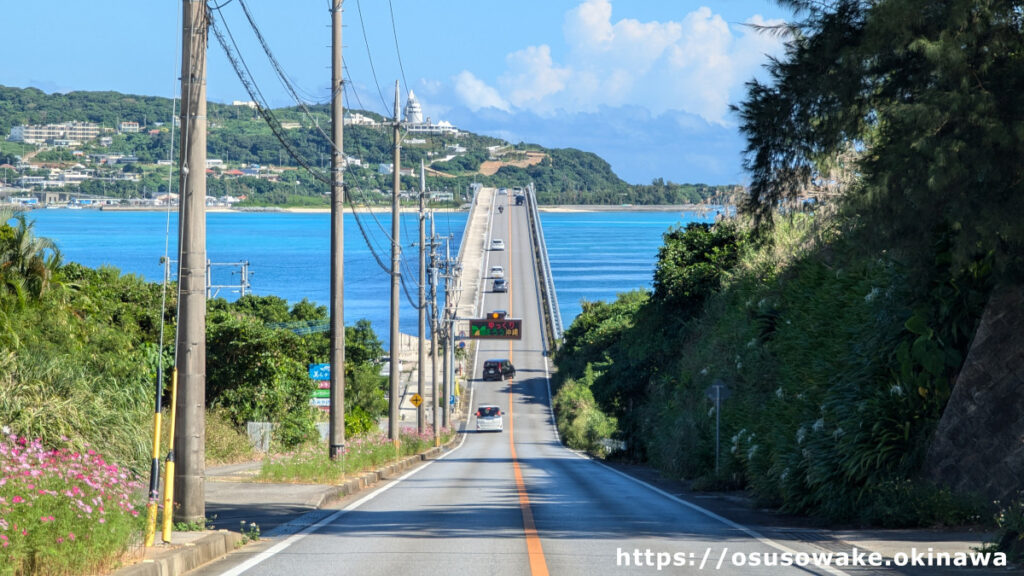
476 94
532 76
697 64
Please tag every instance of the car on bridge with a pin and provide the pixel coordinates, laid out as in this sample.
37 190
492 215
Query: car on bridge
498 369
497 244
497 272
500 285
488 417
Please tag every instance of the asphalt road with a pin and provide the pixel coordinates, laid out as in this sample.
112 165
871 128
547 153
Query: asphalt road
515 502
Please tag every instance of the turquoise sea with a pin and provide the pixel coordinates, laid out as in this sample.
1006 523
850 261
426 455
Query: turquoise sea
594 255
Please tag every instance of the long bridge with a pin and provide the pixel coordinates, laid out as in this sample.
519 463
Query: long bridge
517 501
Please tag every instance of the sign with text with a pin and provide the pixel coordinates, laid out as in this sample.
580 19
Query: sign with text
496 329
320 371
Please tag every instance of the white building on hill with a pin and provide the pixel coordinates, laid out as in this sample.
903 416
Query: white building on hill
414 122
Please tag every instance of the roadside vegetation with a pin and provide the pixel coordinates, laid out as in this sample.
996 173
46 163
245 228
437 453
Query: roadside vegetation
310 463
79 356
838 308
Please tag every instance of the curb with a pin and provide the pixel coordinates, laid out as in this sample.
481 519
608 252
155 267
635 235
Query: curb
368 479
192 555
215 545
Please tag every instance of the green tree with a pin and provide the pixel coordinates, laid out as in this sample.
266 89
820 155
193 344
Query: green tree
929 91
27 262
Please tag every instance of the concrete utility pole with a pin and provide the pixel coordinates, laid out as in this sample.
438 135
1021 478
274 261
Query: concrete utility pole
190 443
394 401
423 299
435 337
448 337
336 425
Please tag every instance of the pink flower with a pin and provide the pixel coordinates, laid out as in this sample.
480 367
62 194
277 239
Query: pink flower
18 500
60 540
71 536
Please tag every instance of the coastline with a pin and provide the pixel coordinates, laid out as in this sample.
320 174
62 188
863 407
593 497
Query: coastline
570 208
553 208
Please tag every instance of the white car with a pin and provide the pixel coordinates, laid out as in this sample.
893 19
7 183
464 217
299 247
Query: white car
497 272
497 244
488 417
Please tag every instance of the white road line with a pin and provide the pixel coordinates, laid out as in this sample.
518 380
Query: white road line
748 531
285 544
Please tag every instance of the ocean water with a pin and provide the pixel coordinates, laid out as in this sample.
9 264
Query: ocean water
288 253
598 255
594 256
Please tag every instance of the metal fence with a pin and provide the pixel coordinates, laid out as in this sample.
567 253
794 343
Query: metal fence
548 281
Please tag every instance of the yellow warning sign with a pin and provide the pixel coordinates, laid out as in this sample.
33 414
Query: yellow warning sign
416 400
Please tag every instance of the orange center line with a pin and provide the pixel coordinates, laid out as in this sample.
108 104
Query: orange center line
534 549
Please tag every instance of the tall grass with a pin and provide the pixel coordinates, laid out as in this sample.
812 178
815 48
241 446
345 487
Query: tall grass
310 463
55 398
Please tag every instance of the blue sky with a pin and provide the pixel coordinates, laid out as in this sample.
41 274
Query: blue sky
644 83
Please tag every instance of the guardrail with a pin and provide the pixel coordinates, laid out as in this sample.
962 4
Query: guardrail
548 282
469 220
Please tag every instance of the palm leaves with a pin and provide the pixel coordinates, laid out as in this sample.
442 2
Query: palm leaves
28 263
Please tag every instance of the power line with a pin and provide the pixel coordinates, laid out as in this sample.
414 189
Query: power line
264 110
354 91
285 81
245 76
394 30
359 9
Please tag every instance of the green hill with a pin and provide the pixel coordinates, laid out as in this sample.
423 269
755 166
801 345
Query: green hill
239 136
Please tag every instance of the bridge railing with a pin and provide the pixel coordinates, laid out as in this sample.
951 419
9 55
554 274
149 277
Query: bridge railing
547 282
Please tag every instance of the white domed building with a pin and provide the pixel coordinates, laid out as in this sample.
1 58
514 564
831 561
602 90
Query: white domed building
414 121
413 111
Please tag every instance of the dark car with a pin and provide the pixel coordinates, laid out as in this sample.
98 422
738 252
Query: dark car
498 369
500 285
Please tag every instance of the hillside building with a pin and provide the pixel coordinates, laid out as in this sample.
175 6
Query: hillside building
67 131
416 124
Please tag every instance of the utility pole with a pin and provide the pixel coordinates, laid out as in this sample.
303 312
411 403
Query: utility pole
435 337
453 309
423 300
396 276
447 392
336 417
190 443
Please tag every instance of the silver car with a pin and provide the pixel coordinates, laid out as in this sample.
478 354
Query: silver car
497 272
497 244
488 418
